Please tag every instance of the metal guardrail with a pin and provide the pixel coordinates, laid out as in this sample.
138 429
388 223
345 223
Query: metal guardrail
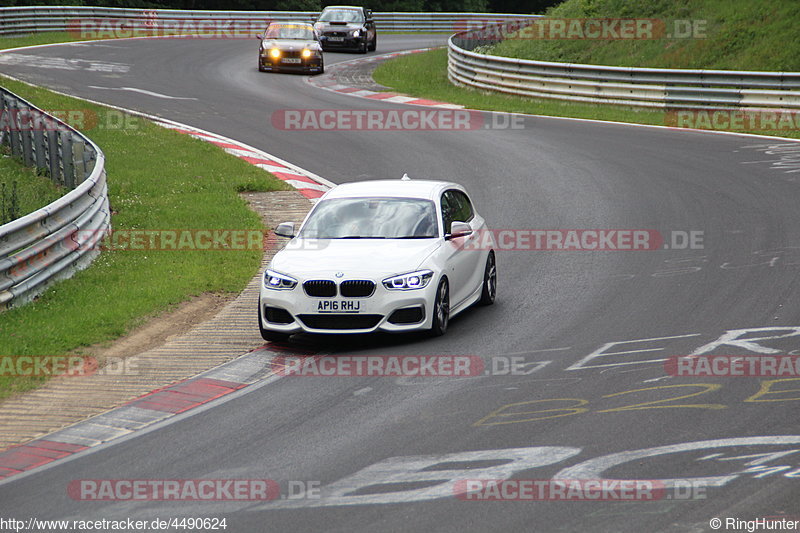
20 20
644 87
55 241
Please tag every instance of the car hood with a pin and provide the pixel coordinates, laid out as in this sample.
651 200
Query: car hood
340 27
290 44
371 258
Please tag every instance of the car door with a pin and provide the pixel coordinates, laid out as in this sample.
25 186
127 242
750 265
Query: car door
474 257
461 258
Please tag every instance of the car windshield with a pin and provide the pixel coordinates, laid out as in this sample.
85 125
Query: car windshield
289 32
341 15
372 218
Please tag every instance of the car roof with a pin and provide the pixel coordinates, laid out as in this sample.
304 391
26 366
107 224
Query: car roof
305 24
428 189
343 7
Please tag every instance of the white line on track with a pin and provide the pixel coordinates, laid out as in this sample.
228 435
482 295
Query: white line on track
142 91
538 351
656 379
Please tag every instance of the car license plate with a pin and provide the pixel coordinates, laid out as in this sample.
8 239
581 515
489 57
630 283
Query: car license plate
337 39
290 60
339 306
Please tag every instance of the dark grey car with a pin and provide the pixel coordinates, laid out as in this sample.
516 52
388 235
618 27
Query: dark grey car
347 28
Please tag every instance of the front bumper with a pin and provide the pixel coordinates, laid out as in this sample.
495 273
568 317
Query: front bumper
348 43
375 313
268 63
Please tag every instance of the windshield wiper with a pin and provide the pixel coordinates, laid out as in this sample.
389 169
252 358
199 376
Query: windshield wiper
360 237
416 237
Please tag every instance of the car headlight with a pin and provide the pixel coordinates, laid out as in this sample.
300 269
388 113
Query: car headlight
279 282
306 53
356 33
412 280
275 53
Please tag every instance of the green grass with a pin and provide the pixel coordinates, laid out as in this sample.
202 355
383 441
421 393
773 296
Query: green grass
37 38
739 35
425 75
33 190
158 179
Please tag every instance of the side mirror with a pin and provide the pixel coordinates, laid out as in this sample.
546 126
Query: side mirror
459 229
285 229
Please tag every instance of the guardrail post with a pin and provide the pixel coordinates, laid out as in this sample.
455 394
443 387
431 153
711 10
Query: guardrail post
52 157
13 130
78 159
89 158
39 148
66 159
4 120
26 136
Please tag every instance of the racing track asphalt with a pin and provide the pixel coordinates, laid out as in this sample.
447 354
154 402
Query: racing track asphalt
550 174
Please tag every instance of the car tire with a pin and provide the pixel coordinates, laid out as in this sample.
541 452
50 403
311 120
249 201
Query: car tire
363 48
321 67
261 67
374 44
489 290
441 309
268 335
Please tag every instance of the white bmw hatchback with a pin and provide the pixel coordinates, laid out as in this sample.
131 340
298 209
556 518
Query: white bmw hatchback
388 255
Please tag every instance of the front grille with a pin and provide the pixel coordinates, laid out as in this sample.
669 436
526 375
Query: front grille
357 288
276 315
409 315
321 288
340 321
335 34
